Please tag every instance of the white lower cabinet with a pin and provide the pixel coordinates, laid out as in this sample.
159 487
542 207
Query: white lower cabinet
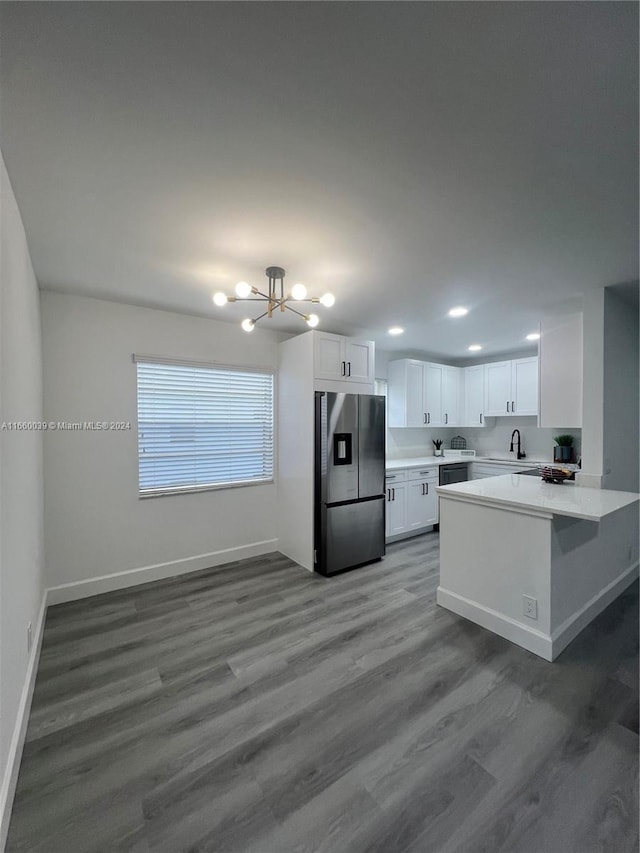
412 502
396 509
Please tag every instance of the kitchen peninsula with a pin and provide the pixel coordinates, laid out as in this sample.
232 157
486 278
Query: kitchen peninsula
534 562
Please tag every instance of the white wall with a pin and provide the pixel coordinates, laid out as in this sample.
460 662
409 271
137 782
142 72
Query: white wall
95 524
621 384
610 395
593 389
21 538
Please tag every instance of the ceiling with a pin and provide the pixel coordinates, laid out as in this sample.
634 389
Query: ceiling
408 157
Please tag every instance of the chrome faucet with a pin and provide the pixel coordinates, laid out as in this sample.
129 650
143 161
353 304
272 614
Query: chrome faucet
521 455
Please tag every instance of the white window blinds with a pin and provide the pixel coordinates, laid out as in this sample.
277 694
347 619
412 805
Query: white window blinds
200 427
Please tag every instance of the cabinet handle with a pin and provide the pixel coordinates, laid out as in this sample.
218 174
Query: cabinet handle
428 417
349 363
427 485
394 494
424 417
344 367
480 417
446 418
388 495
513 407
422 484
507 407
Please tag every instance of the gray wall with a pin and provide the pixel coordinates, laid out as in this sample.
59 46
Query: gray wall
21 539
621 384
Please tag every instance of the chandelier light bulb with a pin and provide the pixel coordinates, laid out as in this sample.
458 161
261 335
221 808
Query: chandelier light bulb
475 348
248 325
534 336
458 311
243 289
312 320
298 291
328 299
220 299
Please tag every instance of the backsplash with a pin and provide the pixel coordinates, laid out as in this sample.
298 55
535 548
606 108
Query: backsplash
537 443
409 442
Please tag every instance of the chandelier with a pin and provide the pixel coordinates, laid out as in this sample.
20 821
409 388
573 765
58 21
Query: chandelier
276 298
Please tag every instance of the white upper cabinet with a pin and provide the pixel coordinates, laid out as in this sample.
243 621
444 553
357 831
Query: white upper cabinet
433 394
497 395
511 387
359 359
405 393
343 359
408 393
561 371
417 393
524 386
474 396
425 394
451 379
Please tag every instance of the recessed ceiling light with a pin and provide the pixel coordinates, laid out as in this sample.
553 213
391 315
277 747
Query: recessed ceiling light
396 330
458 311
475 348
534 336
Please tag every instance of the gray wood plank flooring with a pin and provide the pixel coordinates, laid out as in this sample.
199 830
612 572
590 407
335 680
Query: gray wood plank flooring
260 709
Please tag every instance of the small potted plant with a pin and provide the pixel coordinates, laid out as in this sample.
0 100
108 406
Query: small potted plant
437 443
564 451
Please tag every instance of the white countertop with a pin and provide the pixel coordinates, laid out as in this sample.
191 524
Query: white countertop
512 490
425 461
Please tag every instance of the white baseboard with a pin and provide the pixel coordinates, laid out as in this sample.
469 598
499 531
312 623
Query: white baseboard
572 626
159 571
528 638
547 646
10 778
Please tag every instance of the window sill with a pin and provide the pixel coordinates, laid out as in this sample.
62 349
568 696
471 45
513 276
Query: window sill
190 490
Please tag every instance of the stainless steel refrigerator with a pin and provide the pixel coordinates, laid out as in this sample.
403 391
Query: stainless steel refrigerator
349 528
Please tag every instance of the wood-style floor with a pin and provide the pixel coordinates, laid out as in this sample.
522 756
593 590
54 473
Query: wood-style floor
259 708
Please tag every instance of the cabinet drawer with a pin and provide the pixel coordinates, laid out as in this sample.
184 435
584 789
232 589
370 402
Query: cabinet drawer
395 477
424 474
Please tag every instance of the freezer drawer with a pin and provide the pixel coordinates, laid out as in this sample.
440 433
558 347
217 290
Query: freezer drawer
350 535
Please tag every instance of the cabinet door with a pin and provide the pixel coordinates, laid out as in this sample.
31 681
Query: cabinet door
416 412
450 395
396 506
421 504
497 379
359 358
474 396
329 360
430 503
433 387
524 386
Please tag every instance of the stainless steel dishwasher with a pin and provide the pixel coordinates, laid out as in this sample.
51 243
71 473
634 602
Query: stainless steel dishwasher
457 472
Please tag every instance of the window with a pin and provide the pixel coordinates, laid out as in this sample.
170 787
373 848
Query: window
202 427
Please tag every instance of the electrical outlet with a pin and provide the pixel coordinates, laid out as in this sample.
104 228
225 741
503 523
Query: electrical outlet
530 606
29 637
